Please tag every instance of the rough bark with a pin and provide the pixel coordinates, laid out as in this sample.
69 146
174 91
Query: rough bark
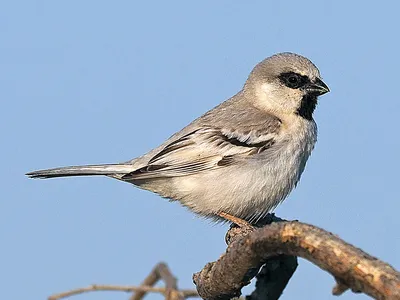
351 267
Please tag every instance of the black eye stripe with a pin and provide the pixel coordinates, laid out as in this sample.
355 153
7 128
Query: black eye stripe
293 80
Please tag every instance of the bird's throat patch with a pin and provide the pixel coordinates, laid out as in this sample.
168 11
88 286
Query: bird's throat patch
307 106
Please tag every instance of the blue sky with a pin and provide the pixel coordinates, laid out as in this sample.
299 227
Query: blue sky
99 82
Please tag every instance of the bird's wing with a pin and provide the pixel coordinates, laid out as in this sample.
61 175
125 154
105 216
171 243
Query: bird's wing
208 148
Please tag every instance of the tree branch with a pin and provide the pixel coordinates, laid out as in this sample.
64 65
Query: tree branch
351 267
160 271
107 287
273 277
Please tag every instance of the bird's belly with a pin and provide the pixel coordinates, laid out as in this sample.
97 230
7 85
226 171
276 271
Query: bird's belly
249 190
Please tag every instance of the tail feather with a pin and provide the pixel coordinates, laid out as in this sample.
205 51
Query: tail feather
82 171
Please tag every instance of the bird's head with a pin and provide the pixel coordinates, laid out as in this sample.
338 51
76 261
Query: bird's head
286 83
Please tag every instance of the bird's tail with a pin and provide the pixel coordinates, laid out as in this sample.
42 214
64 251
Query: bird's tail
111 169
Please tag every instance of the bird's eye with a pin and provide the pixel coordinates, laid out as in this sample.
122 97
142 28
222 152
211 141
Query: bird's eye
293 80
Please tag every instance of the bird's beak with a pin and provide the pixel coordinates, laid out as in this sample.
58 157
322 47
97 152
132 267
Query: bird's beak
318 87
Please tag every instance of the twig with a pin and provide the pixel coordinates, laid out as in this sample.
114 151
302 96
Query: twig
350 266
121 288
160 271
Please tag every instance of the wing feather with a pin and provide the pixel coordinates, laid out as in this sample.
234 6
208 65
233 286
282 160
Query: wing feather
205 149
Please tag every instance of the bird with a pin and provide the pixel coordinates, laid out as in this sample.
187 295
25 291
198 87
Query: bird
239 160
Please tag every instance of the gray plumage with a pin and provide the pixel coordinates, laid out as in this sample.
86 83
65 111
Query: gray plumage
243 157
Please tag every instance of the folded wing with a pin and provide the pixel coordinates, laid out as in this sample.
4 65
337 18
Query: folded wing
208 148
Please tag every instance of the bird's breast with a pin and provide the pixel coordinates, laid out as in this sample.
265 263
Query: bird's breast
293 147
253 187
279 170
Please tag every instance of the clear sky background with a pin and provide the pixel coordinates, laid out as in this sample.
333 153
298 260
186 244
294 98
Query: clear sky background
104 81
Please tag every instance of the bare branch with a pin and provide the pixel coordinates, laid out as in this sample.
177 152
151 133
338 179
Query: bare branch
351 267
120 288
273 277
160 271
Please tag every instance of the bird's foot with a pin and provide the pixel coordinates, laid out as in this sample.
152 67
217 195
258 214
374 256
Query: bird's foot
239 222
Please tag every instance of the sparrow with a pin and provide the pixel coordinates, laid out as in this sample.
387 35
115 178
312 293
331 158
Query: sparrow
239 160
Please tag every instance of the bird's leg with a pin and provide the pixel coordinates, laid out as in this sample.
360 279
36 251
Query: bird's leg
239 222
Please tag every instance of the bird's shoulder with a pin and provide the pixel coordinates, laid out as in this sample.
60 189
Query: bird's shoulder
228 132
239 113
235 122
